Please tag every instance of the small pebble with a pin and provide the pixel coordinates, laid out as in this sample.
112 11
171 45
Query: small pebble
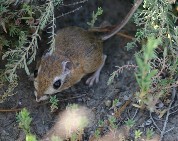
79 99
148 122
160 105
119 104
108 103
126 97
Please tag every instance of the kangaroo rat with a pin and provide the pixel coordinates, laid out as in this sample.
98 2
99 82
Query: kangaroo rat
77 53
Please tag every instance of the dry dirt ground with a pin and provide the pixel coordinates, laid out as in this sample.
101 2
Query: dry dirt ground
91 97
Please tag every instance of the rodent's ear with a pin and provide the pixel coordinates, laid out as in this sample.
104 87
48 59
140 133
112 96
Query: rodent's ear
67 66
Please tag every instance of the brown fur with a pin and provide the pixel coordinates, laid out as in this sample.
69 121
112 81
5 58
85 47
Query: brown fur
76 45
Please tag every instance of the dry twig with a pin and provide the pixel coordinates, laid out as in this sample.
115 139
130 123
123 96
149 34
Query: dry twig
108 29
164 131
168 114
67 13
74 3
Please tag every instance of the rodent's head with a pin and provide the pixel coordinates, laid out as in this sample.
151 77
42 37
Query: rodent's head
51 75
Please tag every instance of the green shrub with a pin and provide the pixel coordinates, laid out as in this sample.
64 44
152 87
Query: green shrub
157 61
21 24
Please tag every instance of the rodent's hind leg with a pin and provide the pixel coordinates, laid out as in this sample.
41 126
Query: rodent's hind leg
95 76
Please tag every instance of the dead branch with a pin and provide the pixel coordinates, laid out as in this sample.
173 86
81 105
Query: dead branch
168 114
109 29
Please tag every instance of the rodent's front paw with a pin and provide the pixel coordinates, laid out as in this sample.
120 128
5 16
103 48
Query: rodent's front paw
94 78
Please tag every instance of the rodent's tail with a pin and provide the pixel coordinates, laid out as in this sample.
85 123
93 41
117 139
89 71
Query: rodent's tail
123 23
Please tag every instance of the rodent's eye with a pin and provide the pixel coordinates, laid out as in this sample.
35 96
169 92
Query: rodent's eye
35 73
57 84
